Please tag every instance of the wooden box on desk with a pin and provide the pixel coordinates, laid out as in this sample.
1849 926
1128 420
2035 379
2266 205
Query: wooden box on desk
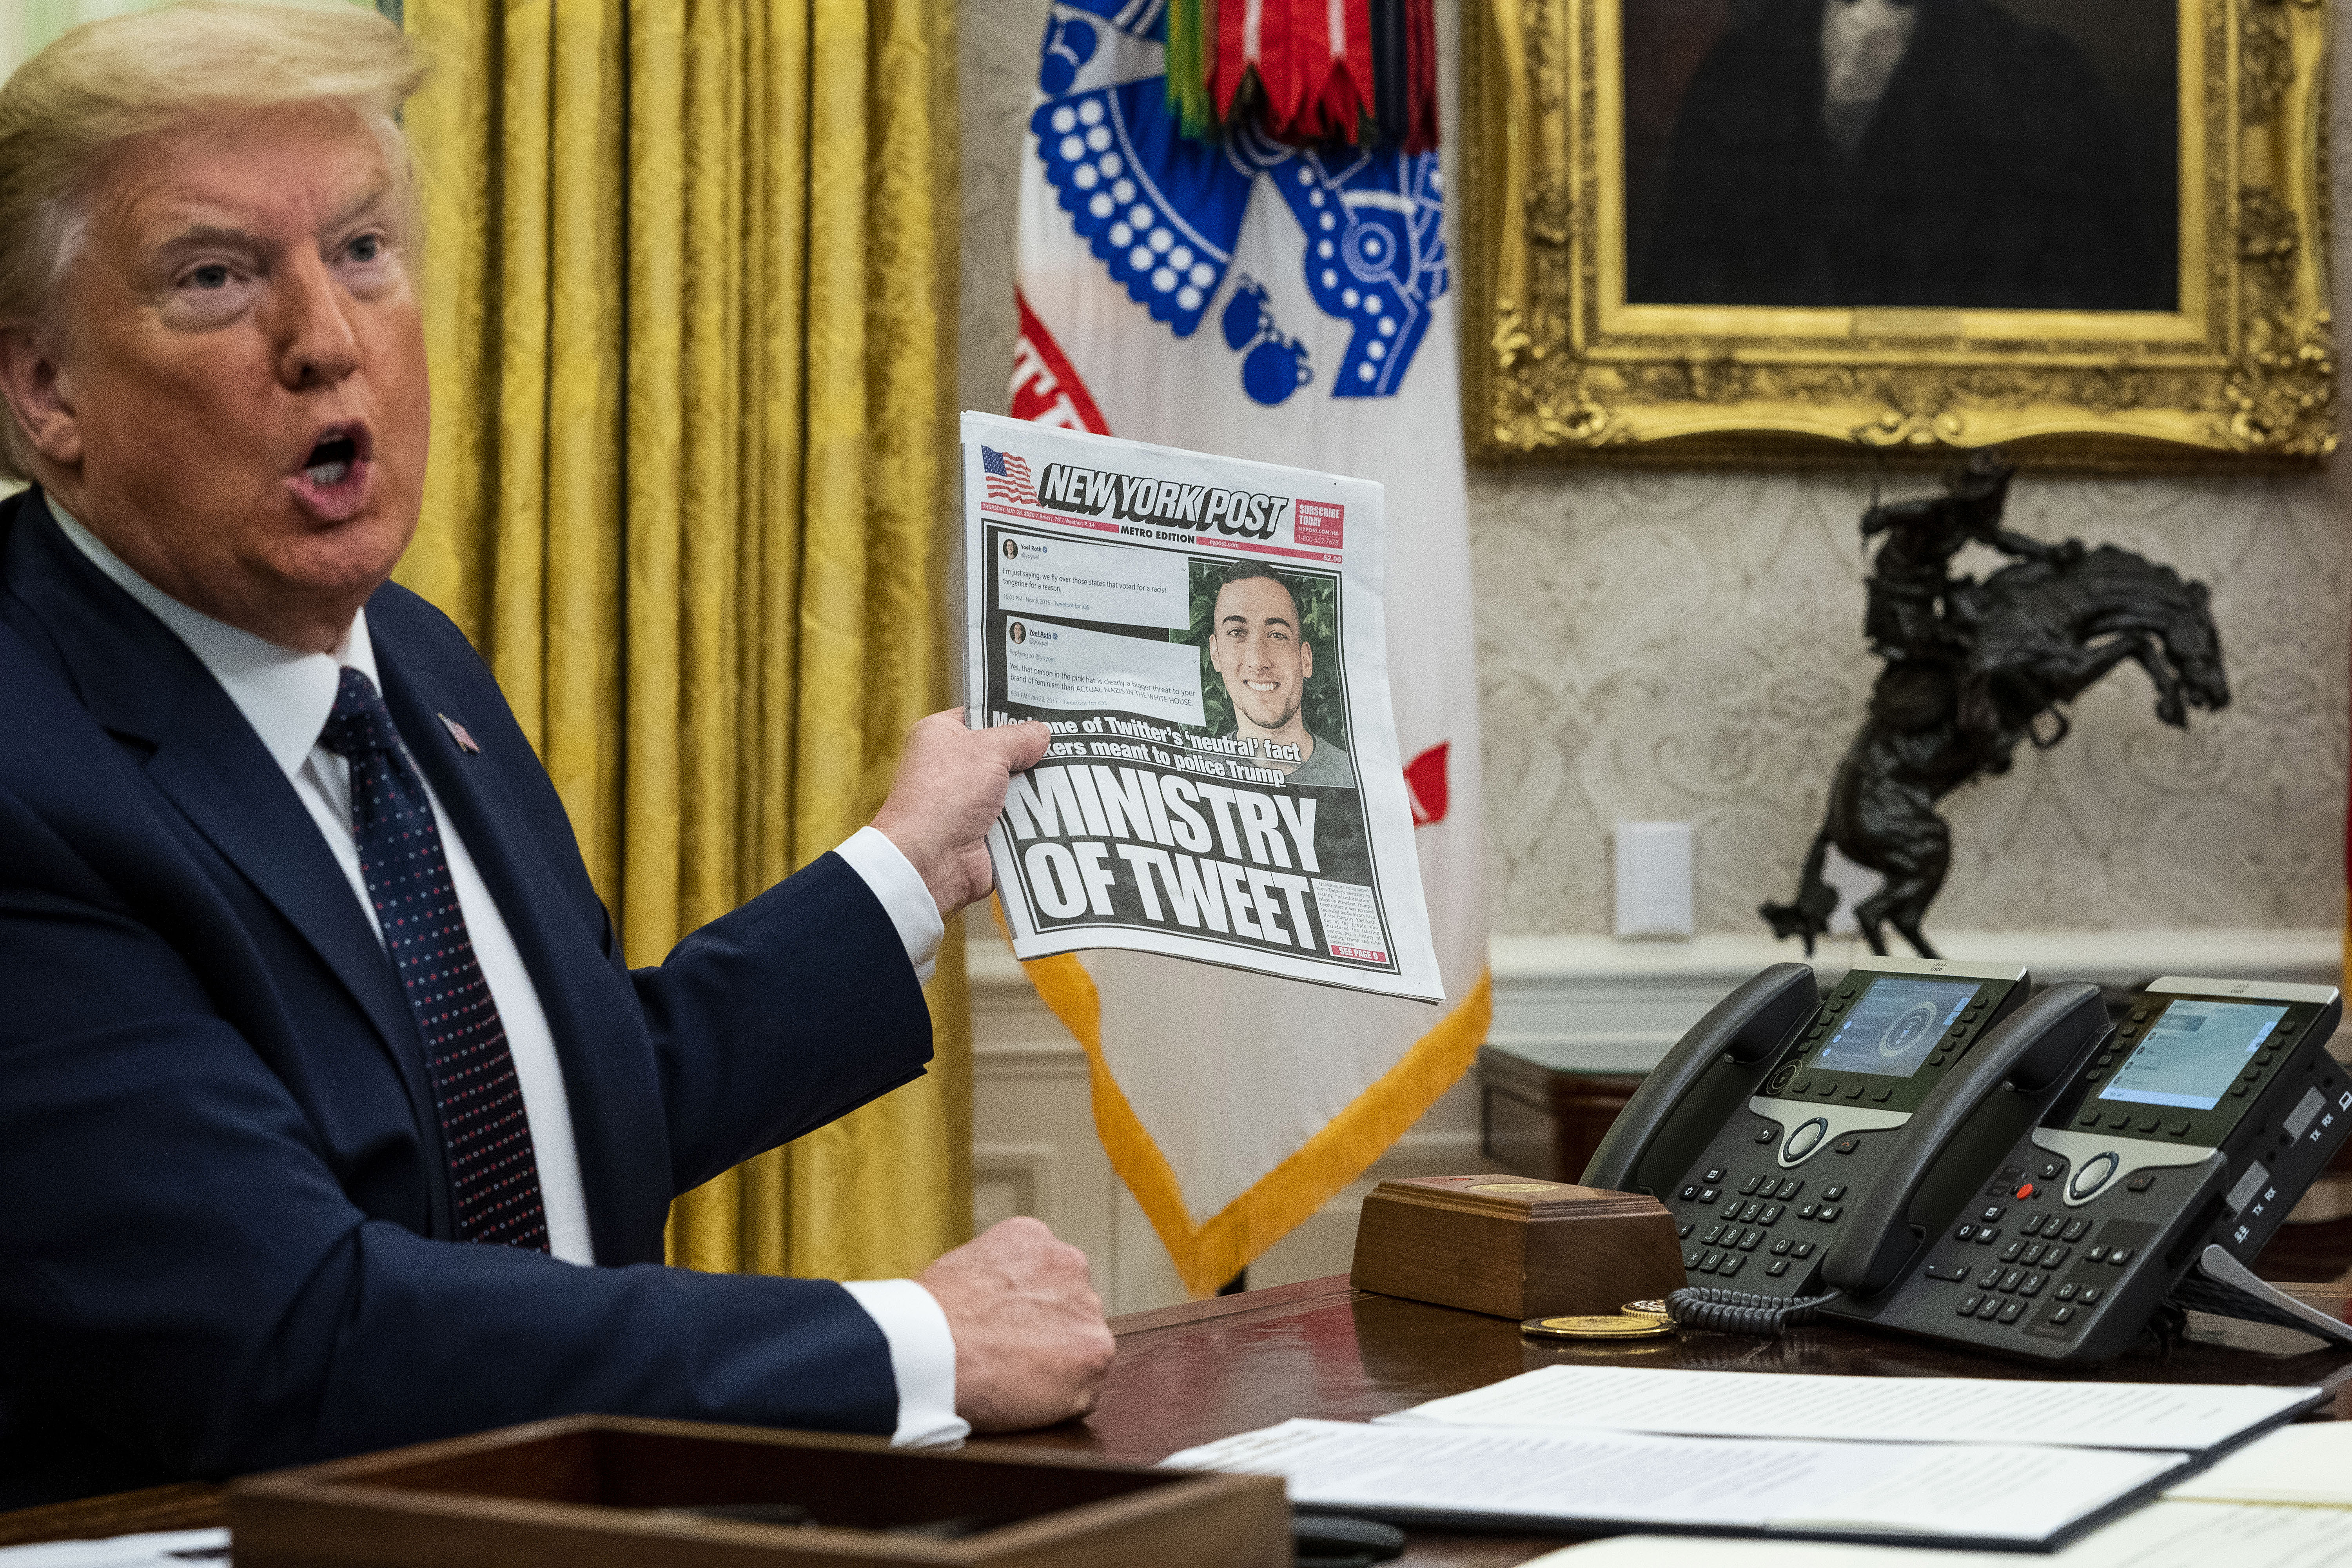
1515 1247
602 1491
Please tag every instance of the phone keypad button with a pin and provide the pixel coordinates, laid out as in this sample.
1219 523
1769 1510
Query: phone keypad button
2063 1316
1882 1096
1683 1231
1966 1233
1855 1092
1770 1216
1847 1145
2052 1257
1708 1264
1804 1250
1689 1192
2068 1292
2031 1284
1987 1235
1714 1234
1991 1212
1713 1177
1780 1248
1777 1269
2010 1279
2119 1256
1731 1263
2118 1123
2011 1311
2031 1255
2090 1295
1748 1188
1990 1279
1808 1211
2096 1255
2077 1229
2009 1254
1829 1214
2031 1226
1968 1307
1691 1258
1748 1240
1989 1305
1790 1188
1749 1211
1832 1194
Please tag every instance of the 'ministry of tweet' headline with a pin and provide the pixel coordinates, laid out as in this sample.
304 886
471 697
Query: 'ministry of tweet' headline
1204 639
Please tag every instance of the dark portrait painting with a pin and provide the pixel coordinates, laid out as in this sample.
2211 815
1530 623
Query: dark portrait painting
1958 154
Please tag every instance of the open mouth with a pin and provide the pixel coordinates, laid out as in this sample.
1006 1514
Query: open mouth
1263 685
329 460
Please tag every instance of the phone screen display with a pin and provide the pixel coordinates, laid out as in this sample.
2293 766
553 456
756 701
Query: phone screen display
2192 1052
1893 1025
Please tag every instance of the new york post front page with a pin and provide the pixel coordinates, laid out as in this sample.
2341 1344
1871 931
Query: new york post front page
1204 636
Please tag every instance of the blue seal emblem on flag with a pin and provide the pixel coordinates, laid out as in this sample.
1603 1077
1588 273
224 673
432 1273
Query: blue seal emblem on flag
1162 213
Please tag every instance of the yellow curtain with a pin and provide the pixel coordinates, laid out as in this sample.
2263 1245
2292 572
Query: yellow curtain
688 293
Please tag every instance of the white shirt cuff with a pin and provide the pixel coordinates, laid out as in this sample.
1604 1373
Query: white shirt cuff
923 1358
900 886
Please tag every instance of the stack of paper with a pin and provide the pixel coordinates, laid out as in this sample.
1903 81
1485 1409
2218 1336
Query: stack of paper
1947 1461
2283 1501
2183 1418
1974 1494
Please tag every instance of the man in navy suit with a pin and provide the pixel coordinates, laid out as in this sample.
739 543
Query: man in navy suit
330 1117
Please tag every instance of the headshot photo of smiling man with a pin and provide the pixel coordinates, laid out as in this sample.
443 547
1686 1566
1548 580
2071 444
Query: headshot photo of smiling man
1259 647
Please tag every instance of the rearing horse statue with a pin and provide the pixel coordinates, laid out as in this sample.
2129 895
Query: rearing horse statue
1972 670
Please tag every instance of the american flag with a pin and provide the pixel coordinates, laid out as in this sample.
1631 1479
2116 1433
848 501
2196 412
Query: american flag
1008 477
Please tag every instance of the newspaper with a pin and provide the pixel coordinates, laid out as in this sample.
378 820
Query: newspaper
1204 636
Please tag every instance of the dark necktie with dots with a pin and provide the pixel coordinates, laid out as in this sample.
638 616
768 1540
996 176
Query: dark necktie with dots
493 1171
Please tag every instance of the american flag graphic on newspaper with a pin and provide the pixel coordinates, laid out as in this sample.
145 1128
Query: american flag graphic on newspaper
1008 477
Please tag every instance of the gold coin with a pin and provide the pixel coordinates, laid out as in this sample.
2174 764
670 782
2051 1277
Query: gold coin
1612 1326
1651 1308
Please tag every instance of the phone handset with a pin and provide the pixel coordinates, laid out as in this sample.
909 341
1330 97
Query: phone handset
1747 1028
2027 1053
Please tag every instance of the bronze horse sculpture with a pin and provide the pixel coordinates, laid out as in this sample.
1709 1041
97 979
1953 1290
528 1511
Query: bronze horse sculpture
1972 670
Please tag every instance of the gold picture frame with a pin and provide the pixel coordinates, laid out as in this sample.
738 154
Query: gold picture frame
1559 365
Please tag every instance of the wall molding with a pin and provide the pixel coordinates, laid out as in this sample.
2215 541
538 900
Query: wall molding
1624 1003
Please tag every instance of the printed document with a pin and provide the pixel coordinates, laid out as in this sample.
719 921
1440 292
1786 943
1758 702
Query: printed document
1204 637
2177 1417
2309 1464
1978 1494
2161 1535
163 1549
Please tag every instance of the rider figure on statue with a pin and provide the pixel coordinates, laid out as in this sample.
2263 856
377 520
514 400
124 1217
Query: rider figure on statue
1914 613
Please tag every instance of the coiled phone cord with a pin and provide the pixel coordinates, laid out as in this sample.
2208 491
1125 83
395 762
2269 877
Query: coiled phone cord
1742 1312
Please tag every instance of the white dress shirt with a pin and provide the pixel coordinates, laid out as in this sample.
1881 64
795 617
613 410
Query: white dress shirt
285 695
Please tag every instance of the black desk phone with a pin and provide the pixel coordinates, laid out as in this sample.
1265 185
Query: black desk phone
1767 1122
1925 1150
2157 1172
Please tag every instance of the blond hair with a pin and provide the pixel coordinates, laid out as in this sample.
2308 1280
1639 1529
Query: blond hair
109 80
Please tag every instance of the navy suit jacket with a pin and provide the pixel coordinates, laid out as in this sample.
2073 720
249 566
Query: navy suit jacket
225 1231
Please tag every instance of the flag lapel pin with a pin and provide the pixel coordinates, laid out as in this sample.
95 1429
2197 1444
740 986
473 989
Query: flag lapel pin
457 733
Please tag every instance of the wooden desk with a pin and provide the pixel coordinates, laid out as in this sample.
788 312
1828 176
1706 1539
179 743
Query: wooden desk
1187 1375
